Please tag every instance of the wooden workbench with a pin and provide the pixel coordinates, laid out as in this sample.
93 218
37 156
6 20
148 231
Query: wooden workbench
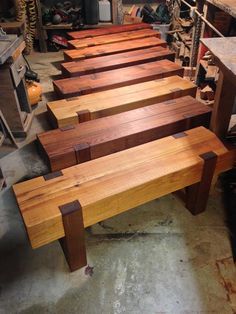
228 6
224 50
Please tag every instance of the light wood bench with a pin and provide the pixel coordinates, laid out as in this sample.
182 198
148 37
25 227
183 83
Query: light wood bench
60 205
88 107
112 38
120 60
87 84
105 50
108 30
71 145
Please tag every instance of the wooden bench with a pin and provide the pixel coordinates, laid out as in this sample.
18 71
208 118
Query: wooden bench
91 83
88 107
112 38
108 30
112 62
66 147
61 204
105 50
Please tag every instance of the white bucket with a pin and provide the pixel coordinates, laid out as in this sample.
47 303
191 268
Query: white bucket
162 28
104 11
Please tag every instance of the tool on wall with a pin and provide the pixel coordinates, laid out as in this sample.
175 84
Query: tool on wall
26 11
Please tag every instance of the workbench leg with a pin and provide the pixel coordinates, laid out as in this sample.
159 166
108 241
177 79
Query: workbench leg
223 106
73 244
197 194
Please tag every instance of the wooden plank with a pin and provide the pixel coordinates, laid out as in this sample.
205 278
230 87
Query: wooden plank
112 38
108 30
102 81
120 60
113 184
104 50
118 132
65 112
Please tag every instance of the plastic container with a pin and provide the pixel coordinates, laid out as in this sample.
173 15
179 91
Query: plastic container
104 11
162 28
91 10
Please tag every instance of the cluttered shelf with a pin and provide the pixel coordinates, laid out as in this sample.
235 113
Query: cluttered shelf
70 26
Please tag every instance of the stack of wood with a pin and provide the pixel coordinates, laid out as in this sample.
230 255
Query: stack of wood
182 39
133 15
135 133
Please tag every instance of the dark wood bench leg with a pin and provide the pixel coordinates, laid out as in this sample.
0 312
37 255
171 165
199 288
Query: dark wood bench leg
197 194
73 244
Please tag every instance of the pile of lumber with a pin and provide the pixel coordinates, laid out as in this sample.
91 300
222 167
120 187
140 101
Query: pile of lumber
132 132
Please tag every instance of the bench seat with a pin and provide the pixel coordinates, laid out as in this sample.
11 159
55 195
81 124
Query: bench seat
108 30
120 60
112 38
105 50
68 146
87 84
60 205
88 107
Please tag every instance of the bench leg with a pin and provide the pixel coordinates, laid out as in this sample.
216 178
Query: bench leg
73 244
197 194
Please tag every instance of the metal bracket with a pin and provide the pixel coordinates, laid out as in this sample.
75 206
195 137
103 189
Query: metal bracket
52 175
180 135
67 128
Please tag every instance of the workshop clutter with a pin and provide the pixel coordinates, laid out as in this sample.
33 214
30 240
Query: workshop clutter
62 12
147 14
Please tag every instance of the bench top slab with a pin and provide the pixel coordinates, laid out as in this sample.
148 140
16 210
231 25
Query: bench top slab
111 134
111 62
112 38
108 30
103 50
64 112
102 81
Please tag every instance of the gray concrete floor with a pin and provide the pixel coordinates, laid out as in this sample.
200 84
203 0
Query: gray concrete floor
154 259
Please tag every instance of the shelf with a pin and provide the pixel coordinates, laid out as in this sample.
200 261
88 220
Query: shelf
58 26
70 26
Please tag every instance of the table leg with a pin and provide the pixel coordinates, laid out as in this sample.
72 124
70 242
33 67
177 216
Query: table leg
222 110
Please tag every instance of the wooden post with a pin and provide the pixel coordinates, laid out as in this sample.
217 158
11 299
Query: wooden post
223 106
73 244
83 116
82 152
197 194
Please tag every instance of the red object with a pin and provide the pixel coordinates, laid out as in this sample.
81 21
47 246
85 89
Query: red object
62 41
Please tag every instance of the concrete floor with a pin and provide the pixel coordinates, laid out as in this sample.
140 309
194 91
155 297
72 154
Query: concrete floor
154 259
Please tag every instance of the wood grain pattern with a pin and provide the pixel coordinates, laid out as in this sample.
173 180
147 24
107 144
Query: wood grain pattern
100 137
102 81
108 30
115 183
120 60
65 112
112 38
105 50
